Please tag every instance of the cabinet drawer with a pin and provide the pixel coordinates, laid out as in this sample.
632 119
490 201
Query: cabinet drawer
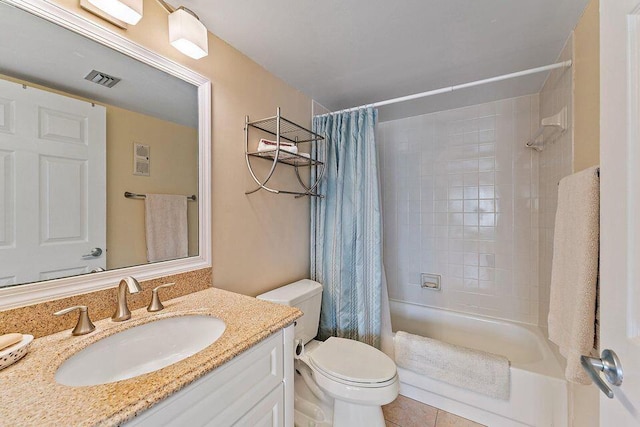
226 394
269 412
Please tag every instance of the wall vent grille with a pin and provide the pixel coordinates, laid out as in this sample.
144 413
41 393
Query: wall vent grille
102 79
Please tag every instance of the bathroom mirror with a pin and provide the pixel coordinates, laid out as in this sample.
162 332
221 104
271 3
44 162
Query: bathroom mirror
87 117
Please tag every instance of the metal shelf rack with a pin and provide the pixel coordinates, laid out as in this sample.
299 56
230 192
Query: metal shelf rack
284 129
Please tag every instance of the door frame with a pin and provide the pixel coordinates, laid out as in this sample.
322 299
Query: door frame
620 201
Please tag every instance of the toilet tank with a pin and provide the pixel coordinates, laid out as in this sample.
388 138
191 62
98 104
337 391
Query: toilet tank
307 296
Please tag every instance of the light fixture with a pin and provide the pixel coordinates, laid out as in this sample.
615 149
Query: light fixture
129 11
187 33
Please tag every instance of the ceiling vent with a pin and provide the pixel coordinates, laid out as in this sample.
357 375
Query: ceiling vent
102 79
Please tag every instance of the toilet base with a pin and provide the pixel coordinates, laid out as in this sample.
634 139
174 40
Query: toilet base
346 414
311 409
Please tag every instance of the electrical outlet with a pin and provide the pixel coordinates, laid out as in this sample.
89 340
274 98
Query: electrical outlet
430 281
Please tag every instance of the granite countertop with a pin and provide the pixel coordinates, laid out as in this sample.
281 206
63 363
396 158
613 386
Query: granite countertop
30 395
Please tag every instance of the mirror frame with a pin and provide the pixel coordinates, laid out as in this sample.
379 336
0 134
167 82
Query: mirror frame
20 295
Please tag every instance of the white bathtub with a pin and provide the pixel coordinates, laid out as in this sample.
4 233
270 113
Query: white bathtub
538 389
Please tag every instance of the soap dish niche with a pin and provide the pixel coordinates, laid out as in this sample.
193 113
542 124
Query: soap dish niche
559 123
430 281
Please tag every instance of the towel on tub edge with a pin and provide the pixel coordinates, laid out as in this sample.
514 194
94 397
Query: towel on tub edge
475 370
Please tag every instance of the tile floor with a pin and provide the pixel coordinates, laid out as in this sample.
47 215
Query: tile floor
405 412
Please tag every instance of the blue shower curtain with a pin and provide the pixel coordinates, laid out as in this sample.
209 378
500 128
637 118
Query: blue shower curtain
346 228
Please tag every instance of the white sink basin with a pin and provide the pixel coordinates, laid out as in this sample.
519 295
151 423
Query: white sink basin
140 350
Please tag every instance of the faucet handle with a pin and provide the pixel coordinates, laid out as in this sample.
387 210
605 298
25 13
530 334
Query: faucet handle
156 304
84 325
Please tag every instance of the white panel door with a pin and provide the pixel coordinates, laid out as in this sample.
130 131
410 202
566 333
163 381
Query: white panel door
620 204
52 185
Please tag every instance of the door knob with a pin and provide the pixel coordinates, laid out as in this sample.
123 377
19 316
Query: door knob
609 364
93 253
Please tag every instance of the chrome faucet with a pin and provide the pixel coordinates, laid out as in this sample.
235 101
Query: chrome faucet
122 311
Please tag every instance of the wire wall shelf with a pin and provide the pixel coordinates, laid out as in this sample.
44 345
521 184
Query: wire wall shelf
283 129
287 129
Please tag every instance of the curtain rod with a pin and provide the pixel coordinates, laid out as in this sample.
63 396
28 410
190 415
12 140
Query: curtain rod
564 64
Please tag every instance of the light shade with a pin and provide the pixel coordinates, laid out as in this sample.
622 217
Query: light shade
188 34
129 11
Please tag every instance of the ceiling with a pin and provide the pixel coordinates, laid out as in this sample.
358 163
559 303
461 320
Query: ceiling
349 53
38 51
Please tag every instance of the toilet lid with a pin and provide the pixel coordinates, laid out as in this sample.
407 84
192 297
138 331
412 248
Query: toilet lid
353 361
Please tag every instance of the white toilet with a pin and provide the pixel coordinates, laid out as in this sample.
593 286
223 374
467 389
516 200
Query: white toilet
338 382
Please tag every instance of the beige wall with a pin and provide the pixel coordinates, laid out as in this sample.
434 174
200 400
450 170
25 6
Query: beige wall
262 240
587 89
577 149
576 88
174 170
584 400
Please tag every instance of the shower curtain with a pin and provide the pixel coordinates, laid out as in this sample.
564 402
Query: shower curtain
346 228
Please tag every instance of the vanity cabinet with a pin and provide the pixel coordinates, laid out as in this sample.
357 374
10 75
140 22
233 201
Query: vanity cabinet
253 389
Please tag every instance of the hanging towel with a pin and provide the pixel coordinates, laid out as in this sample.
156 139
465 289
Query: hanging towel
574 272
475 370
166 227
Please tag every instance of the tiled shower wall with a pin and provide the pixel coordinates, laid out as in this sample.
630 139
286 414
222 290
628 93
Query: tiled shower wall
459 193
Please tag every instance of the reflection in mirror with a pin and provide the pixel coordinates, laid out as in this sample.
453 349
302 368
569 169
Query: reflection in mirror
80 125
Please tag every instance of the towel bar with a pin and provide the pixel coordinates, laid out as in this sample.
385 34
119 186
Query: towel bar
130 195
597 174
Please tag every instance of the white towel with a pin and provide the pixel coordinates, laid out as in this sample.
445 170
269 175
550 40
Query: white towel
267 145
166 227
475 370
285 155
574 272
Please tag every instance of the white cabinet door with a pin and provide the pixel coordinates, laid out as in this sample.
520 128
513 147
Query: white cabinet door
249 387
620 204
52 185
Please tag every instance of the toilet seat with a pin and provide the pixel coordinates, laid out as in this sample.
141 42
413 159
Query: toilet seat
353 363
352 384
351 371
